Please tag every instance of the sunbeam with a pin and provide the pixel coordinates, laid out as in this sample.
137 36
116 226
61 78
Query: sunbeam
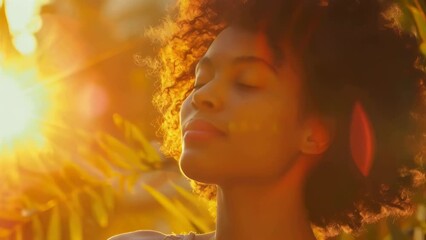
91 62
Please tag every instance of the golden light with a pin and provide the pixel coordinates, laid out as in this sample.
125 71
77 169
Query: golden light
23 99
20 111
25 43
23 17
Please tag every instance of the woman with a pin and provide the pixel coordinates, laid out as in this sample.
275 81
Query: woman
291 114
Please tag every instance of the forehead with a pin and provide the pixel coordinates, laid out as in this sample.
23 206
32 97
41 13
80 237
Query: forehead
235 42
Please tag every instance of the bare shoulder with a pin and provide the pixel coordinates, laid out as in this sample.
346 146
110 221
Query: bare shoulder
139 235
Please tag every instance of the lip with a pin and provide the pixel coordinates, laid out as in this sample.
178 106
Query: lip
201 130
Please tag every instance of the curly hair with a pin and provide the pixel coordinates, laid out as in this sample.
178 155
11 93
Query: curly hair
347 50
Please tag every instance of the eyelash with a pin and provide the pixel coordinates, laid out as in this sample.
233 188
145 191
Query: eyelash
246 87
240 85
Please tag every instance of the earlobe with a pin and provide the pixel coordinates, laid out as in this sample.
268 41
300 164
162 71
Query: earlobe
317 136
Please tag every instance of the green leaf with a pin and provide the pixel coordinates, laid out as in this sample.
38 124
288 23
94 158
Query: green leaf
54 227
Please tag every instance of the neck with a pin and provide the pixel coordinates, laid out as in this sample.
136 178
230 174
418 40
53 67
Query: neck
272 209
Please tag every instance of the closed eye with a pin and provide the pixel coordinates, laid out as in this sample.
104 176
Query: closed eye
245 86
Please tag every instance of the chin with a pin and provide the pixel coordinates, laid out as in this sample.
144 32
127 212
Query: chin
192 169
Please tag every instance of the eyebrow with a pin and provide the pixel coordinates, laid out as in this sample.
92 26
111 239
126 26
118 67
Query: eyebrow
241 59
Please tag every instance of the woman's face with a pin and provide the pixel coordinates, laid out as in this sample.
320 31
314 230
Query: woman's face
254 102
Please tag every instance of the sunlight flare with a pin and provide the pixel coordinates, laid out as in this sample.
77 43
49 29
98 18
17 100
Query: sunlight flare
24 20
20 111
25 43
16 109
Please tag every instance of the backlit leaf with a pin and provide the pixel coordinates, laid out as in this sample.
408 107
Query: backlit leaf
152 155
420 20
120 154
54 227
98 208
198 221
194 199
19 235
396 233
108 196
423 47
131 181
131 130
168 205
75 225
97 161
37 228
5 233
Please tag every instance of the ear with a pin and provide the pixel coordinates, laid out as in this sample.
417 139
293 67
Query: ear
317 135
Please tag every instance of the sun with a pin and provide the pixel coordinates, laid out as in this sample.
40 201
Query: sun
18 110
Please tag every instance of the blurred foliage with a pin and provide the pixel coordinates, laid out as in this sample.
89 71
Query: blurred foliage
70 184
184 214
70 191
414 19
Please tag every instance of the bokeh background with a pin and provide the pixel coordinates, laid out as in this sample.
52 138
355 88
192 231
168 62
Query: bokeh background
79 152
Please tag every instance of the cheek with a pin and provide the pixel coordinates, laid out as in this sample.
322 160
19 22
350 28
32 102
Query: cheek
270 139
261 141
269 133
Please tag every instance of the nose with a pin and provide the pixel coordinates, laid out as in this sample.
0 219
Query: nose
207 98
